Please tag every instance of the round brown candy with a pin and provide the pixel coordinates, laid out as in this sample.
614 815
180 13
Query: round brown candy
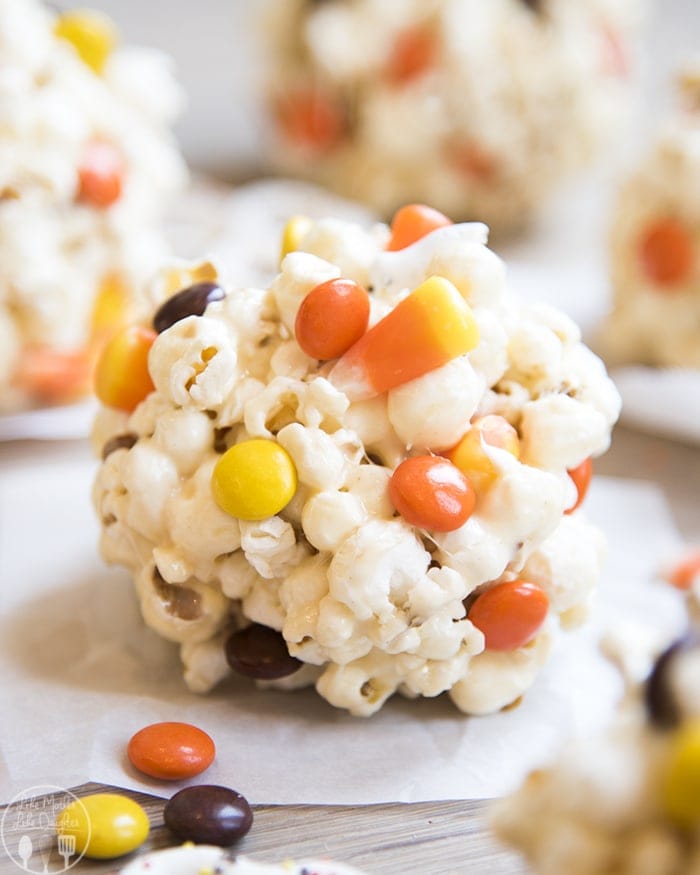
260 652
208 814
119 442
192 301
663 709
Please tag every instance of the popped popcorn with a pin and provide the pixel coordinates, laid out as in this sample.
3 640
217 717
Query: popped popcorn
480 109
365 601
87 163
655 246
626 801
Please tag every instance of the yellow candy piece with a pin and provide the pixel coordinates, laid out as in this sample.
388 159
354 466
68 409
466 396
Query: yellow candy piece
254 480
111 309
92 34
122 378
294 231
472 459
681 789
105 825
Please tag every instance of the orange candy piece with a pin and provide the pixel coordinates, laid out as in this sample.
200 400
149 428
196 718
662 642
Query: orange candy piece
171 751
100 175
666 252
122 379
684 572
425 330
430 493
54 375
470 456
413 222
581 475
332 317
414 53
311 118
510 614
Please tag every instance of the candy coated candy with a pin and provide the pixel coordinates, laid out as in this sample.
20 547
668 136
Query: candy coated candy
254 480
666 252
92 34
473 460
100 175
171 751
431 493
260 652
208 814
311 118
413 222
111 309
332 317
509 614
54 375
425 330
292 235
414 53
684 572
192 301
122 379
105 825
662 707
581 475
118 442
681 788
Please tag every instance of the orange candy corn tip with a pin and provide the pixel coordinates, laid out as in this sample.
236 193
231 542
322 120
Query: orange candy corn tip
429 328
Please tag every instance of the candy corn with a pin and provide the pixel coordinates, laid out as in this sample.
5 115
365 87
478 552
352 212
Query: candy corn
429 328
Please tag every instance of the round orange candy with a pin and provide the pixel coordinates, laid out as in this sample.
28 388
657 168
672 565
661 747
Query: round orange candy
122 379
412 222
171 751
510 614
332 317
413 54
581 475
682 575
54 375
100 175
311 118
666 252
431 493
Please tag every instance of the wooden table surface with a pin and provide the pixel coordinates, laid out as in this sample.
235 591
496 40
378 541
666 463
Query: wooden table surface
438 837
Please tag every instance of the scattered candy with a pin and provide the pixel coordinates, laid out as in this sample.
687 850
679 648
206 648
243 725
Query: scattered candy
171 751
311 118
254 480
260 652
509 614
332 317
100 175
92 34
431 493
666 252
292 235
470 456
427 329
581 475
192 301
413 222
208 814
105 825
682 779
122 379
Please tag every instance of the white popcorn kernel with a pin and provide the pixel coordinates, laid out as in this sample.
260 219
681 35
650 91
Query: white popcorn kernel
370 420
262 604
300 273
300 594
270 546
370 483
496 678
329 518
359 686
588 381
284 401
317 459
235 574
205 663
288 360
107 424
344 244
171 565
557 432
185 435
433 411
489 358
475 551
535 353
194 362
150 478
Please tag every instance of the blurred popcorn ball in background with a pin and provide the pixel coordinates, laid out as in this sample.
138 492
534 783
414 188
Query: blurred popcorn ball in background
479 108
656 245
86 163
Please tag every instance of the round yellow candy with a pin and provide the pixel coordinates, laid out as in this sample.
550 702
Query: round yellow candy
105 825
681 789
92 34
254 480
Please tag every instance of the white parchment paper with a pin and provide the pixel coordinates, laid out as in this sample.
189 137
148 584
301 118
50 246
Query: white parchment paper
80 672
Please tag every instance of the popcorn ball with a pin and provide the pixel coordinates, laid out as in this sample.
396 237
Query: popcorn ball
655 256
479 108
87 162
363 477
626 802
